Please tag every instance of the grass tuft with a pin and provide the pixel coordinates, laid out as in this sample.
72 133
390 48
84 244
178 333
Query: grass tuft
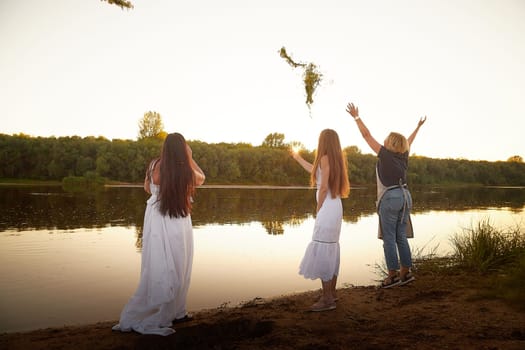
499 253
484 248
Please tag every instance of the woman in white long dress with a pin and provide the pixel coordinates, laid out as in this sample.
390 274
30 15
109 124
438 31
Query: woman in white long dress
330 175
167 242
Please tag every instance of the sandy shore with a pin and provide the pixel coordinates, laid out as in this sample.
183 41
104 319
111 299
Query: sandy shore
434 312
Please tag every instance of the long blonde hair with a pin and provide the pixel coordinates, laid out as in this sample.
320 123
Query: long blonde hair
330 146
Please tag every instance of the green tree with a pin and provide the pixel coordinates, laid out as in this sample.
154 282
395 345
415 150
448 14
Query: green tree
516 159
103 166
274 140
151 126
52 158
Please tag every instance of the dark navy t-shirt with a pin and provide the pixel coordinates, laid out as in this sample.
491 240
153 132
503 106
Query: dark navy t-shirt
391 167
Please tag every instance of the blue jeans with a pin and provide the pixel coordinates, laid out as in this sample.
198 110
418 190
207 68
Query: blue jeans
394 210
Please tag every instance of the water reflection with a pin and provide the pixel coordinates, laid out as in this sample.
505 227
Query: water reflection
248 243
50 208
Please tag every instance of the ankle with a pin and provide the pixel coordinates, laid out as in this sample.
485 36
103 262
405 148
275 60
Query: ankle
327 299
392 273
404 271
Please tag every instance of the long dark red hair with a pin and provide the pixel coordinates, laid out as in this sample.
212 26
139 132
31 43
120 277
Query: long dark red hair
330 146
177 180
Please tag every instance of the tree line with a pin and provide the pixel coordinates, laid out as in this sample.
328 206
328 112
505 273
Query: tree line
54 158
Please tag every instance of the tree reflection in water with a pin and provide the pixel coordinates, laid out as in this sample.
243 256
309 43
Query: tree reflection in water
49 207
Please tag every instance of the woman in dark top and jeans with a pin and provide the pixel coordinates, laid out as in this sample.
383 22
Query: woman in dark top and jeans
393 199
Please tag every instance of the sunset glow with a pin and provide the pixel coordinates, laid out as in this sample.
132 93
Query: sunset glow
214 73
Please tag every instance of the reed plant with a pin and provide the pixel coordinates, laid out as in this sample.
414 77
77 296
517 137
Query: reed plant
483 248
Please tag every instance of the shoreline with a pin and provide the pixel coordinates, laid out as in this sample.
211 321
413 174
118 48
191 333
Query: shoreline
270 187
438 310
240 186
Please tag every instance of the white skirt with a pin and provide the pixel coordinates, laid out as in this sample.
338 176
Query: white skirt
322 256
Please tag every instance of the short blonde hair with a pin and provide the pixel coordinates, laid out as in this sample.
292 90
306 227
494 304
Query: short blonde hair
396 142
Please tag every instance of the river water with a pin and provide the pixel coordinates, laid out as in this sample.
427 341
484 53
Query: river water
74 258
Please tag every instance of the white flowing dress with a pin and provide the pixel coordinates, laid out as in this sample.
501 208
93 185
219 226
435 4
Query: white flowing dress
167 257
322 256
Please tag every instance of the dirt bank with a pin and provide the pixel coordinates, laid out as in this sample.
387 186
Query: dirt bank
434 312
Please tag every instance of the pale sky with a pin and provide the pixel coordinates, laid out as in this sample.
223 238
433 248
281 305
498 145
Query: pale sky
212 70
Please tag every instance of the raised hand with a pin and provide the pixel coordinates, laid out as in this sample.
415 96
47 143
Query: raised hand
352 110
422 121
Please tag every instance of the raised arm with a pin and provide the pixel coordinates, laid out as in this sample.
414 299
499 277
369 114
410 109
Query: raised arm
354 112
146 183
149 174
199 174
413 135
306 165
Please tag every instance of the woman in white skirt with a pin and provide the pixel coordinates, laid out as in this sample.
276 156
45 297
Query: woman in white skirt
167 242
330 175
